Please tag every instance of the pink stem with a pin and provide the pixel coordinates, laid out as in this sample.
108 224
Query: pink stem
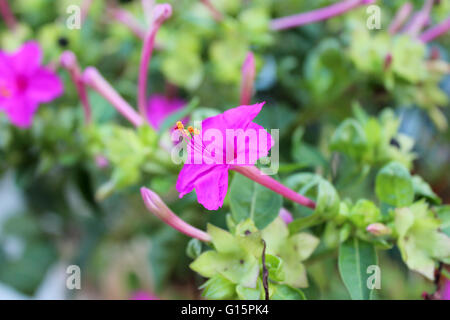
217 15
85 7
8 16
387 61
436 31
317 15
69 61
400 17
155 205
248 78
256 175
94 79
420 19
160 14
127 19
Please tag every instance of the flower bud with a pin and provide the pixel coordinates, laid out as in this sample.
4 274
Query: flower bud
378 229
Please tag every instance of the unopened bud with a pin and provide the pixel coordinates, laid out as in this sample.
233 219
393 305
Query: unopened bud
378 229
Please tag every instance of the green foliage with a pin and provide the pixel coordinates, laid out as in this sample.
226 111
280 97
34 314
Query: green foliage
394 185
251 200
355 256
419 238
234 266
368 140
319 189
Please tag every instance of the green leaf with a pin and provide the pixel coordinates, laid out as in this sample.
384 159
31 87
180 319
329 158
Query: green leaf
286 292
355 256
251 200
275 267
423 190
209 263
419 239
315 187
363 213
443 213
394 185
350 138
224 242
194 248
218 288
248 293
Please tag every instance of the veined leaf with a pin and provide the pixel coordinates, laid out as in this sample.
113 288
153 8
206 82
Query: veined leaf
355 256
251 200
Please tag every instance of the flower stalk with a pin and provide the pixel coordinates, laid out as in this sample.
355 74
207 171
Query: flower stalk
217 15
400 18
248 79
256 175
85 7
436 31
156 206
420 19
317 15
7 15
160 13
68 61
94 79
127 19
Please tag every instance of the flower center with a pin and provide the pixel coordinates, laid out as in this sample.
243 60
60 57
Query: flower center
21 83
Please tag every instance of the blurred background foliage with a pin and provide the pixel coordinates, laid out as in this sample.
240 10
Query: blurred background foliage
323 83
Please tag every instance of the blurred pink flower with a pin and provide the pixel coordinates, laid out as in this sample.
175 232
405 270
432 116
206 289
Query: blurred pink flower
160 107
209 178
446 290
24 84
144 295
285 215
248 78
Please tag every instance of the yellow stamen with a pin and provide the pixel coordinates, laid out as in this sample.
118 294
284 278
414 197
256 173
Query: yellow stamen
191 129
180 125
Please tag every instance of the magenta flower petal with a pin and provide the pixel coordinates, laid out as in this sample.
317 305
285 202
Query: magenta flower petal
211 188
24 84
160 107
44 86
209 176
248 153
6 70
236 118
27 59
209 181
20 111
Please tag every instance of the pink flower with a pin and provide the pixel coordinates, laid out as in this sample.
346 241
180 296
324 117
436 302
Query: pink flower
24 84
209 178
285 215
144 295
446 290
160 107
155 205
